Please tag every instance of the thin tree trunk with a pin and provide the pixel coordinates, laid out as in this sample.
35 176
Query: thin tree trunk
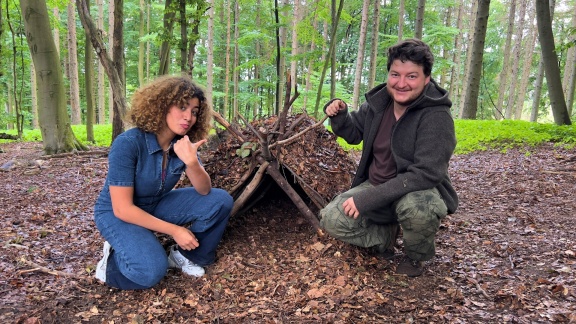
169 14
480 26
527 66
236 60
445 51
76 117
466 73
360 55
537 93
374 46
210 54
326 62
183 34
505 72
455 79
225 111
89 84
293 62
419 19
401 13
100 108
111 48
141 44
551 69
569 81
516 54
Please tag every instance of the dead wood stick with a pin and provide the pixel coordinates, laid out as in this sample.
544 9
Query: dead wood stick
37 267
249 190
479 288
68 154
311 192
228 126
243 179
293 138
273 171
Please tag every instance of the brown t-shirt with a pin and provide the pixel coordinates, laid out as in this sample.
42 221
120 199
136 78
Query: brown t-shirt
383 167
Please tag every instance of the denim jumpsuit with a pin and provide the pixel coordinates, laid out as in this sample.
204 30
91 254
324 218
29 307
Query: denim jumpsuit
138 259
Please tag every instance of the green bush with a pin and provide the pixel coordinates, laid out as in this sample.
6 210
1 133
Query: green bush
472 135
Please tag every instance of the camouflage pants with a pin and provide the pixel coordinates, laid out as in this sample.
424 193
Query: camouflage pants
419 214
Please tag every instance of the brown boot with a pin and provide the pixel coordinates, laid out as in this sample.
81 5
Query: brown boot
409 267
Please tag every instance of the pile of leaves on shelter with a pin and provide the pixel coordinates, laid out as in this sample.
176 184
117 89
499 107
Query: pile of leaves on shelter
302 151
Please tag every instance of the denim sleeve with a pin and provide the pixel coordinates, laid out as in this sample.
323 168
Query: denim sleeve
122 161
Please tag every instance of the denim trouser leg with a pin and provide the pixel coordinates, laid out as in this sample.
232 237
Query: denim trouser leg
139 261
209 215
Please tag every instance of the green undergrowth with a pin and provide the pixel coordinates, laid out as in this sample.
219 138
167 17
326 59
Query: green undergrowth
481 135
472 135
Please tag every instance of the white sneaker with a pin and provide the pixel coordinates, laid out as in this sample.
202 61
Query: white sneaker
101 267
178 261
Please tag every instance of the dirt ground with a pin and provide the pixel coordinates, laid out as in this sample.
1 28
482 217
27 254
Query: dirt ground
507 255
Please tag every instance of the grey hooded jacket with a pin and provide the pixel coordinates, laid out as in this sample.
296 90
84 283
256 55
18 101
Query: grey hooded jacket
423 141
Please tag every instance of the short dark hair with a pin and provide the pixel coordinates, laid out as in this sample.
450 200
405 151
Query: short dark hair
413 50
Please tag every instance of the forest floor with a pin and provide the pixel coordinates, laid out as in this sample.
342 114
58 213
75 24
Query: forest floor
506 255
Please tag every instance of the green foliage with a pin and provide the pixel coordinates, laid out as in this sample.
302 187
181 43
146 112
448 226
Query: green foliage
479 135
102 135
472 135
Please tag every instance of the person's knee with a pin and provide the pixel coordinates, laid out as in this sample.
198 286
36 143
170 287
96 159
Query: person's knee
421 211
335 223
153 273
223 198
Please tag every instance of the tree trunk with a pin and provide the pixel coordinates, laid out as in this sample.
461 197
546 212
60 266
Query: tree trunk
101 106
89 84
169 14
210 54
504 73
236 59
119 65
225 111
183 34
328 61
401 13
475 73
360 55
114 74
111 49
511 106
34 97
73 66
527 66
550 59
293 61
455 78
57 135
141 44
569 81
537 93
469 48
419 19
374 46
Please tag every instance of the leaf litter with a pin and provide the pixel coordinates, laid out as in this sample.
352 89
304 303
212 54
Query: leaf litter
507 255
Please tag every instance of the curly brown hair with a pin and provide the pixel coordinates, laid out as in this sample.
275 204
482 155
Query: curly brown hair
151 102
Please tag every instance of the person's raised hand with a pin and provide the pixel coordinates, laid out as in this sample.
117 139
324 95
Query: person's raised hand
334 107
188 151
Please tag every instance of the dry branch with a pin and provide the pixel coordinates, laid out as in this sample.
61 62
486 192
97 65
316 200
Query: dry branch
249 189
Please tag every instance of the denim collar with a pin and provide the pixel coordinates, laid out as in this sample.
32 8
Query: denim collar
152 142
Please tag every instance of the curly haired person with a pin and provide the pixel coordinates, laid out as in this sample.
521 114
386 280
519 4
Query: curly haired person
402 179
172 120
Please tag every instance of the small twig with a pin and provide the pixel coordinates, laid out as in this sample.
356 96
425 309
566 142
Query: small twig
37 267
228 126
479 288
249 190
293 138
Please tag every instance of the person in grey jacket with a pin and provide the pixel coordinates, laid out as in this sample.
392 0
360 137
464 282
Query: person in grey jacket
402 178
